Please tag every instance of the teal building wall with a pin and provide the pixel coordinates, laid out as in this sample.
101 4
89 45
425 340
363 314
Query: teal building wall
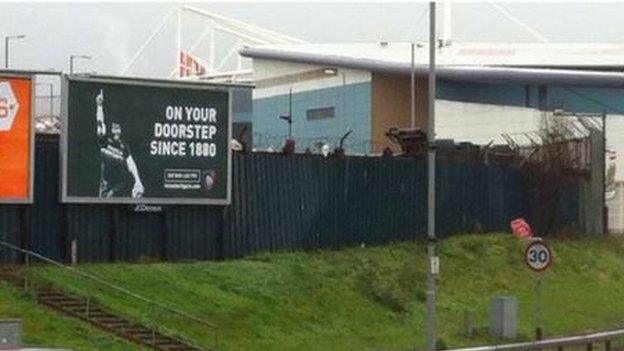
352 111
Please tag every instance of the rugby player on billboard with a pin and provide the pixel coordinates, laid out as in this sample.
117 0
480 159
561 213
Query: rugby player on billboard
119 175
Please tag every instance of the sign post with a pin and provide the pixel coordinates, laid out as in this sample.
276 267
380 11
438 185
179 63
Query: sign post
142 141
538 258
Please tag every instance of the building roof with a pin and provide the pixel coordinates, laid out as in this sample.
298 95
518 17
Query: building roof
555 55
569 63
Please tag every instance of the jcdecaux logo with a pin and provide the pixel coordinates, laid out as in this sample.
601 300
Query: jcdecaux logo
8 106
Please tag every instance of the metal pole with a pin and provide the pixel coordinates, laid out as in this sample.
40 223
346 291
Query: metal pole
605 213
344 102
413 85
51 99
290 116
539 333
431 159
6 47
6 52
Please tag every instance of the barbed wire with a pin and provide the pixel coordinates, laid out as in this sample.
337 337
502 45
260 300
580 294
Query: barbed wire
276 142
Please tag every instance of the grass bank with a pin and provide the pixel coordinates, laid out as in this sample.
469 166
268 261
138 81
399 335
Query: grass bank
370 298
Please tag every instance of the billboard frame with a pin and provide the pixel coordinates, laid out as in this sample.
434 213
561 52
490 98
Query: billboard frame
28 200
145 82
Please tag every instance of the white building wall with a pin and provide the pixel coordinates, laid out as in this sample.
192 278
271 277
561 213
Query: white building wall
616 210
269 69
615 142
481 123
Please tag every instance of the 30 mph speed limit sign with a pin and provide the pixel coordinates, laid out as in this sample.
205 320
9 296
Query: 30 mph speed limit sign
538 256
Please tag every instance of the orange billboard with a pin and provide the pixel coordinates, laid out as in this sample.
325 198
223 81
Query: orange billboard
16 143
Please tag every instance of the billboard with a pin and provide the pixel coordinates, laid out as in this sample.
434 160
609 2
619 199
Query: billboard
16 138
145 141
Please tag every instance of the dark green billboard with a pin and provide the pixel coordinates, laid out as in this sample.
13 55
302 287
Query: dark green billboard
145 141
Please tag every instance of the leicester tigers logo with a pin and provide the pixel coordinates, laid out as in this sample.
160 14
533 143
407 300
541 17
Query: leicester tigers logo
8 106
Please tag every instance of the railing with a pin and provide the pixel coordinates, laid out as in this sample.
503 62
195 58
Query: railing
587 340
28 255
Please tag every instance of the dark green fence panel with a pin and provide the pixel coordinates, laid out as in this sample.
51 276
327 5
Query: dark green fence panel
516 194
117 233
394 195
91 226
138 236
333 190
359 211
276 204
307 201
193 232
446 192
10 231
479 198
47 214
279 202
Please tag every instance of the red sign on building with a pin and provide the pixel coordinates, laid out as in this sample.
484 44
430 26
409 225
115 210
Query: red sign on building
190 65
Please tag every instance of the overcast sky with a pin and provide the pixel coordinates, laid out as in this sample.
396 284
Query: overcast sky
111 32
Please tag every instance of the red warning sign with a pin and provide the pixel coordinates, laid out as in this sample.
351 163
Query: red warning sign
521 228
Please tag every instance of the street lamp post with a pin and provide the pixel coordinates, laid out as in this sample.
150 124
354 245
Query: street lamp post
431 163
72 58
6 47
288 117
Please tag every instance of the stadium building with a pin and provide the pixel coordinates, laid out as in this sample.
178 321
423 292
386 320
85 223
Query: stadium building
483 90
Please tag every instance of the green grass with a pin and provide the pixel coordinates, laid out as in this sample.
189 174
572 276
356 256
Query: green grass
42 327
370 298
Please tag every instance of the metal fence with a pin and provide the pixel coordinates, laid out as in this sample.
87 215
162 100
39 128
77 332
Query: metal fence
280 202
607 341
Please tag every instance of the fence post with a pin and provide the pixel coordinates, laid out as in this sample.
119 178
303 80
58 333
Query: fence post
469 319
153 323
74 252
608 345
26 270
221 232
88 305
164 234
24 217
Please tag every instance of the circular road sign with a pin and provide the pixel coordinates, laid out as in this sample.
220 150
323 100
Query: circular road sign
538 256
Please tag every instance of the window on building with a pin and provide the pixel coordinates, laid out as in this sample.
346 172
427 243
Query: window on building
321 113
